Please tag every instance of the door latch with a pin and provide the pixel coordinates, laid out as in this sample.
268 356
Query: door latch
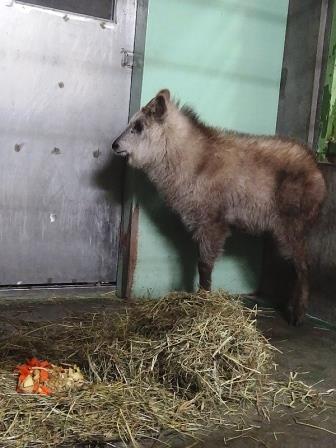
127 58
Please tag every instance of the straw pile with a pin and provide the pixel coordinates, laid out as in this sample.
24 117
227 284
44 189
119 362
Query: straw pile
186 363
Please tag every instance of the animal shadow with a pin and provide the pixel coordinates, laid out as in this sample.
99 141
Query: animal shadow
111 179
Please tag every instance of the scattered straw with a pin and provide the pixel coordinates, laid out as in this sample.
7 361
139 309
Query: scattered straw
314 426
180 364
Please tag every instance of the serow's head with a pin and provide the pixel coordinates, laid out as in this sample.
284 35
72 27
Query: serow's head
142 140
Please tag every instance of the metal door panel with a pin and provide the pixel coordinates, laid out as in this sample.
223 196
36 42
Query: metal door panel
64 95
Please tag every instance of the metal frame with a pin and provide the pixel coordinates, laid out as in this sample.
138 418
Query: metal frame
130 212
320 62
303 69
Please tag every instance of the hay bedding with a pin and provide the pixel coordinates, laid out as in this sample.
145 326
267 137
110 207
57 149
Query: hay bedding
186 363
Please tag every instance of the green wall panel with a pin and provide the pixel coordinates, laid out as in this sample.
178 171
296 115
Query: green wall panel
224 58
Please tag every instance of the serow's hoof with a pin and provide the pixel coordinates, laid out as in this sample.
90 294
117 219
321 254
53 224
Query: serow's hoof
203 290
296 315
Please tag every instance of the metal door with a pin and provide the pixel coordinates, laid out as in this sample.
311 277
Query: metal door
64 95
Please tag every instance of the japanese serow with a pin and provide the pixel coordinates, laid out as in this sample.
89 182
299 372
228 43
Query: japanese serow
217 179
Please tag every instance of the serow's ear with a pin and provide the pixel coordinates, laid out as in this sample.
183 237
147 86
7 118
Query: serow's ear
160 107
157 107
165 93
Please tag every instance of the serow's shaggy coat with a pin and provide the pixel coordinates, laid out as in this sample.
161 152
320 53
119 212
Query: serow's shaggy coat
215 179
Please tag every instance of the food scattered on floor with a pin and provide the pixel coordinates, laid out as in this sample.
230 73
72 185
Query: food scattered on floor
44 378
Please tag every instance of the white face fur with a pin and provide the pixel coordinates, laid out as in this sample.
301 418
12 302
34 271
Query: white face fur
142 141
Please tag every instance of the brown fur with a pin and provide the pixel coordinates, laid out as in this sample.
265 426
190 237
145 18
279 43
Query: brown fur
216 179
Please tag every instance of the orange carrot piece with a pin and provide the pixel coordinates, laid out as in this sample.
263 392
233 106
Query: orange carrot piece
23 368
45 390
22 377
44 364
26 369
33 362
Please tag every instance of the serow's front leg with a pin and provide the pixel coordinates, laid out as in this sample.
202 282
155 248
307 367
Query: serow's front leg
204 271
210 244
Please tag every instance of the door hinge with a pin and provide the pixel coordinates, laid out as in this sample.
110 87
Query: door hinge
127 58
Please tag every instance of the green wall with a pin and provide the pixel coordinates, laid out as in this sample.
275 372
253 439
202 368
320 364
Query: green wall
224 58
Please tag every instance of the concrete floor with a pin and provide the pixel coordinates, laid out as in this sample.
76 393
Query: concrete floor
310 348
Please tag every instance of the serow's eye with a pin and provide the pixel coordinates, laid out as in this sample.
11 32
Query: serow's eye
137 127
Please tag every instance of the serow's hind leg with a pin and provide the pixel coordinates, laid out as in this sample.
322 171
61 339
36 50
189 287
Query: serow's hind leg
293 248
298 303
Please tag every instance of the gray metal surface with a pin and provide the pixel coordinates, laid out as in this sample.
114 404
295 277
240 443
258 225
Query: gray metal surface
318 70
303 68
64 96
